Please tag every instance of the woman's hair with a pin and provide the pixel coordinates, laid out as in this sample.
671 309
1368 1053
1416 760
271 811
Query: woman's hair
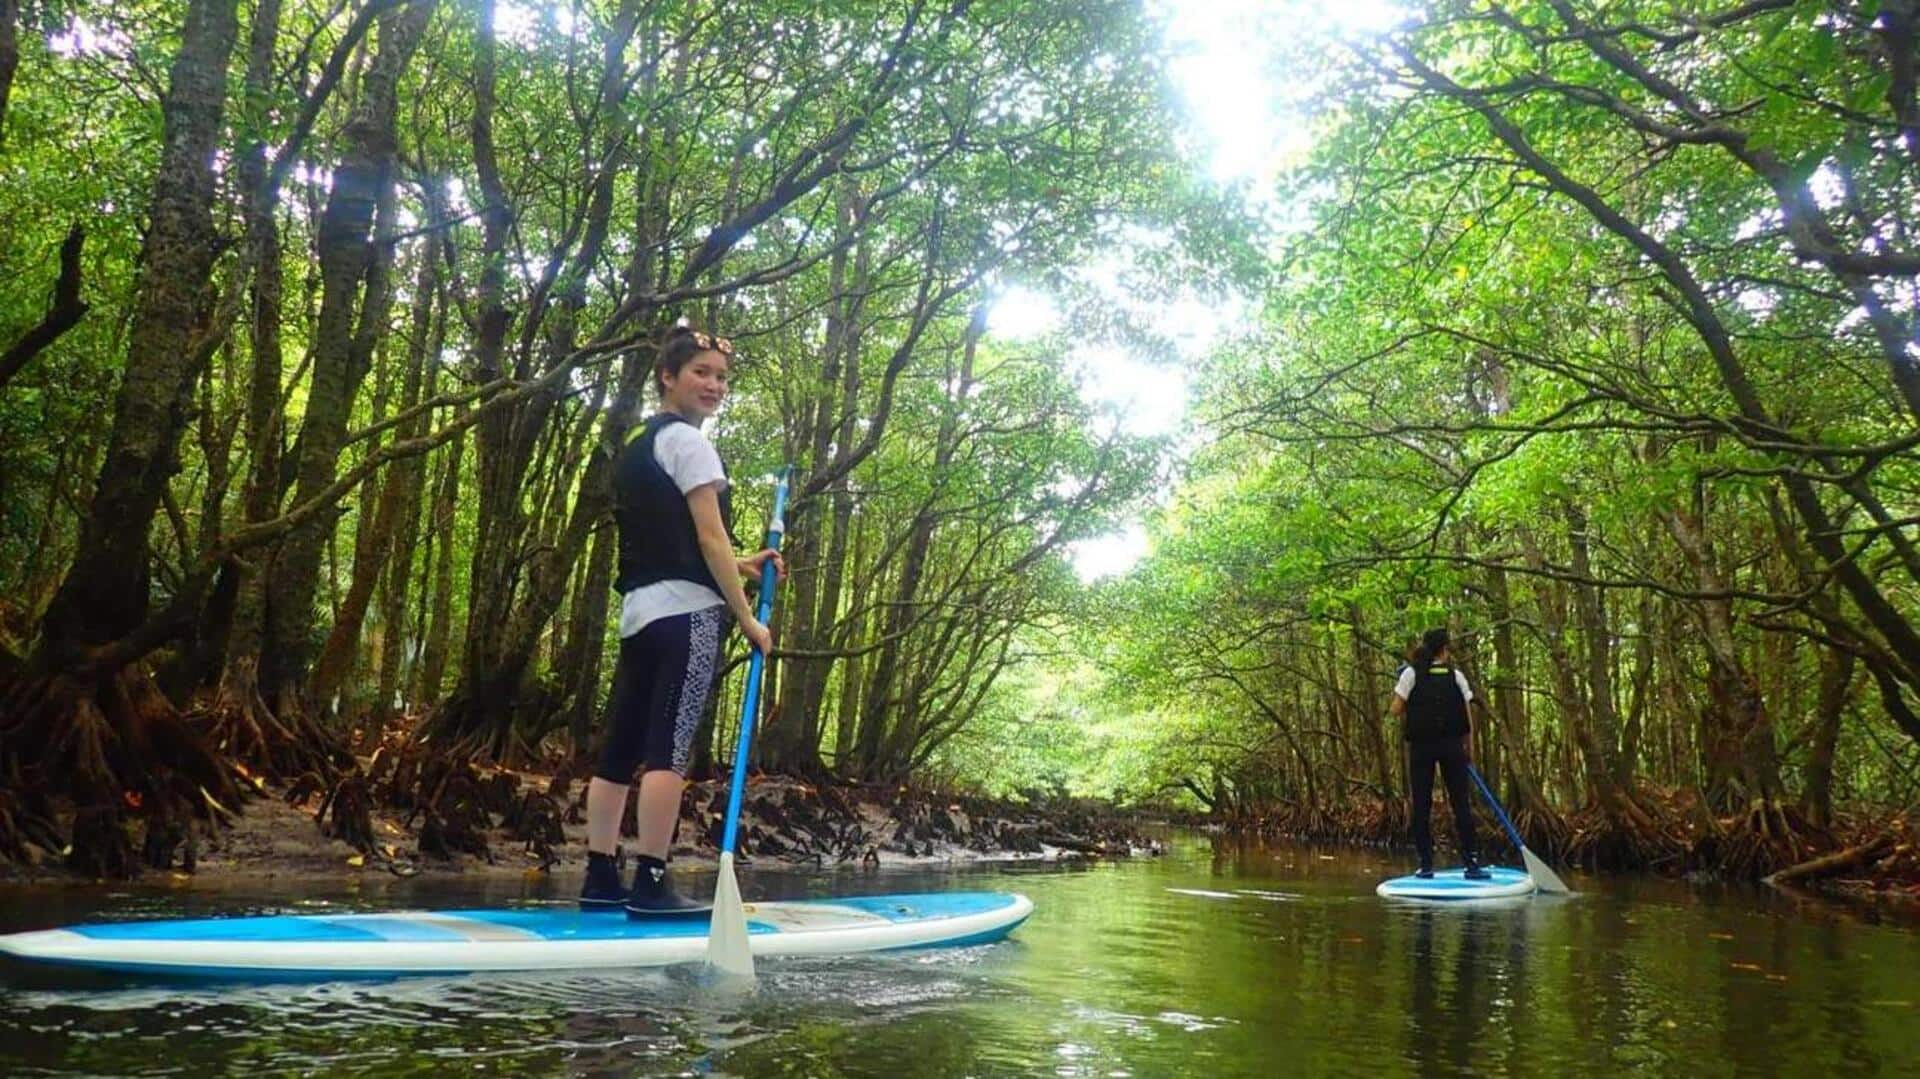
1432 643
681 344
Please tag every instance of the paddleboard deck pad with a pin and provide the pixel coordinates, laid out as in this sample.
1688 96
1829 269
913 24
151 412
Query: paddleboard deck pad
311 947
1449 884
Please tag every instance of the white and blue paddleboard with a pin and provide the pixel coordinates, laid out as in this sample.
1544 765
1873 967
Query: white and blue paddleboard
1503 883
312 947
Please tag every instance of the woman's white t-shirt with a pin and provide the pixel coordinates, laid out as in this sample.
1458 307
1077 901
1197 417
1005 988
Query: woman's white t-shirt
1404 686
686 455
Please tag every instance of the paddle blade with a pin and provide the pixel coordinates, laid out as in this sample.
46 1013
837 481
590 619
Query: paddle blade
1543 875
727 949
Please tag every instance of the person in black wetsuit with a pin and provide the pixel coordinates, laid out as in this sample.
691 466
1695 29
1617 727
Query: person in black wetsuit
679 581
1431 698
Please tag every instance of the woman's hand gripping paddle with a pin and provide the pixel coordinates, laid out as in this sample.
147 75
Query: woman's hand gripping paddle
1543 875
727 948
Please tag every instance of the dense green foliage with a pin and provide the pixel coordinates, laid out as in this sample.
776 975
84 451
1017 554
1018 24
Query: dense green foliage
371 294
1597 347
1589 331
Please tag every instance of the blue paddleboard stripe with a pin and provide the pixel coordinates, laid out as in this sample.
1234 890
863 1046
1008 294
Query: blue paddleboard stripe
275 928
308 947
1452 884
539 924
922 906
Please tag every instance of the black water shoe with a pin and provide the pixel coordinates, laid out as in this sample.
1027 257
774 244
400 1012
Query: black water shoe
602 889
1476 872
653 895
1425 872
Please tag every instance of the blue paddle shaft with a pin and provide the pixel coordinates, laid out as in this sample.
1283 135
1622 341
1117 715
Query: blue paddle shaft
1512 832
756 667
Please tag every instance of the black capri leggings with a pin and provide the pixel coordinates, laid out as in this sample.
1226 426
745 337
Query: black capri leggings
1450 754
660 690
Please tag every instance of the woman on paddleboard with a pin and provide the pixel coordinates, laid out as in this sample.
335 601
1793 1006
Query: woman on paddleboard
679 582
1431 698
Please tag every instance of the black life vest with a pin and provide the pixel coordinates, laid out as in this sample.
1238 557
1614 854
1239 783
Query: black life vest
1435 707
658 541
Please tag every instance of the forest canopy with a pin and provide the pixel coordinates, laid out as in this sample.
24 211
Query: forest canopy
1586 329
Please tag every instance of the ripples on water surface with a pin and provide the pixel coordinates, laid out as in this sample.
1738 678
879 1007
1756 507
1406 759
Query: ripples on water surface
1223 961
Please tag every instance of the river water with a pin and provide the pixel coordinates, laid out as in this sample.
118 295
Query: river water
1218 960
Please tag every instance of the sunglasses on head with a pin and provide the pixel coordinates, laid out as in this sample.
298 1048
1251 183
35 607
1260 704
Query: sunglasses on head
722 345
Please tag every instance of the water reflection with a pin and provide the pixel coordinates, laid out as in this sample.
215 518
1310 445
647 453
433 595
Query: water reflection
1224 959
1446 1017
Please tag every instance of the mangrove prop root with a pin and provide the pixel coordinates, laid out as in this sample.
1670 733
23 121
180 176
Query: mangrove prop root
115 750
1841 861
101 845
1768 836
28 829
447 795
240 723
536 822
1621 835
305 787
501 793
446 837
347 812
169 827
630 815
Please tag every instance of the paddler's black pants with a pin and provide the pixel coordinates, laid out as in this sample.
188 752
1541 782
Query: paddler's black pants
1450 754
